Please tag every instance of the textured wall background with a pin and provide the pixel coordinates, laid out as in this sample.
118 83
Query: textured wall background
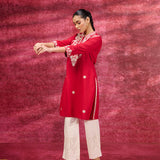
128 69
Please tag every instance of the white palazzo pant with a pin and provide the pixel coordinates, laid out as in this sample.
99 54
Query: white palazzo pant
71 149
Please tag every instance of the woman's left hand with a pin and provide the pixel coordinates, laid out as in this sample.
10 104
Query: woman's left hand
37 46
43 49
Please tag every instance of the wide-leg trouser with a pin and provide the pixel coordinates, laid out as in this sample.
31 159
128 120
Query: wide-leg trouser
71 149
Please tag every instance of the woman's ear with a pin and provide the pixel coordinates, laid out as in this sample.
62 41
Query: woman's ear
88 19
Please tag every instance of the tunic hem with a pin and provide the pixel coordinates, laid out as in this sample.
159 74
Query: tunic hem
78 117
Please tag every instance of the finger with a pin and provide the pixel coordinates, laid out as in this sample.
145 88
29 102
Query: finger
36 46
35 49
39 45
41 50
38 49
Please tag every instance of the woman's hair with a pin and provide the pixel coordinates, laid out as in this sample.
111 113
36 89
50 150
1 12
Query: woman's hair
84 14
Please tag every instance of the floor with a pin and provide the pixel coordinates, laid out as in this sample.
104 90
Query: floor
49 151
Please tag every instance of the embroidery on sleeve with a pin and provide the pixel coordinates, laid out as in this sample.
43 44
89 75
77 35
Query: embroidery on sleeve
74 59
68 50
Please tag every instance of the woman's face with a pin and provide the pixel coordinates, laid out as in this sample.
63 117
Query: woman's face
80 23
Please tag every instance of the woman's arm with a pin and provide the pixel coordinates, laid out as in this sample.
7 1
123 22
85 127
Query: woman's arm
50 49
49 44
37 46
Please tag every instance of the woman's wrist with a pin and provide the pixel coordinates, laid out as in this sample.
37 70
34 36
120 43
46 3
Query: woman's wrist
49 44
58 49
50 49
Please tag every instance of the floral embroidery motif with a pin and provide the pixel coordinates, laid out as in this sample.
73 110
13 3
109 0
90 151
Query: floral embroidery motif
74 59
68 50
78 39
91 35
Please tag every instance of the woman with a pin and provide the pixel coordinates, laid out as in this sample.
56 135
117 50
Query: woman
80 97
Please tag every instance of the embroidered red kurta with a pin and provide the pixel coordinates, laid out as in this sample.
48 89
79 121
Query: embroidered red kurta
80 95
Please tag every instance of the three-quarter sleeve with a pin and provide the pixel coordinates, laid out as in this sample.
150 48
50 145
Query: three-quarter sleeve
92 47
64 42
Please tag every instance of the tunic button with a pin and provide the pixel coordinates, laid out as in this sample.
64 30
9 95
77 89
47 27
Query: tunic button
83 111
84 77
73 92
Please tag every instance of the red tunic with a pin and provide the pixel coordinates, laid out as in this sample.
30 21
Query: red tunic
80 95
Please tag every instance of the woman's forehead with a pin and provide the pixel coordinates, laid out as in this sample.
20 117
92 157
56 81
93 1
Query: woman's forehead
76 18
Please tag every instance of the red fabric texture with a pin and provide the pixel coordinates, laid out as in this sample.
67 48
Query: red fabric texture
80 95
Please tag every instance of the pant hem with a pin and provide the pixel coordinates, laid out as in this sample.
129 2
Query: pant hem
95 156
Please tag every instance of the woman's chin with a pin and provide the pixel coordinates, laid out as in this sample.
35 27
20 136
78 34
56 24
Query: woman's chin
81 31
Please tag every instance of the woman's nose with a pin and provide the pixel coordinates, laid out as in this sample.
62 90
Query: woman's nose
77 26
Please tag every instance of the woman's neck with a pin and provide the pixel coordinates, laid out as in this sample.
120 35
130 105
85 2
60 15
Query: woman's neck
89 30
